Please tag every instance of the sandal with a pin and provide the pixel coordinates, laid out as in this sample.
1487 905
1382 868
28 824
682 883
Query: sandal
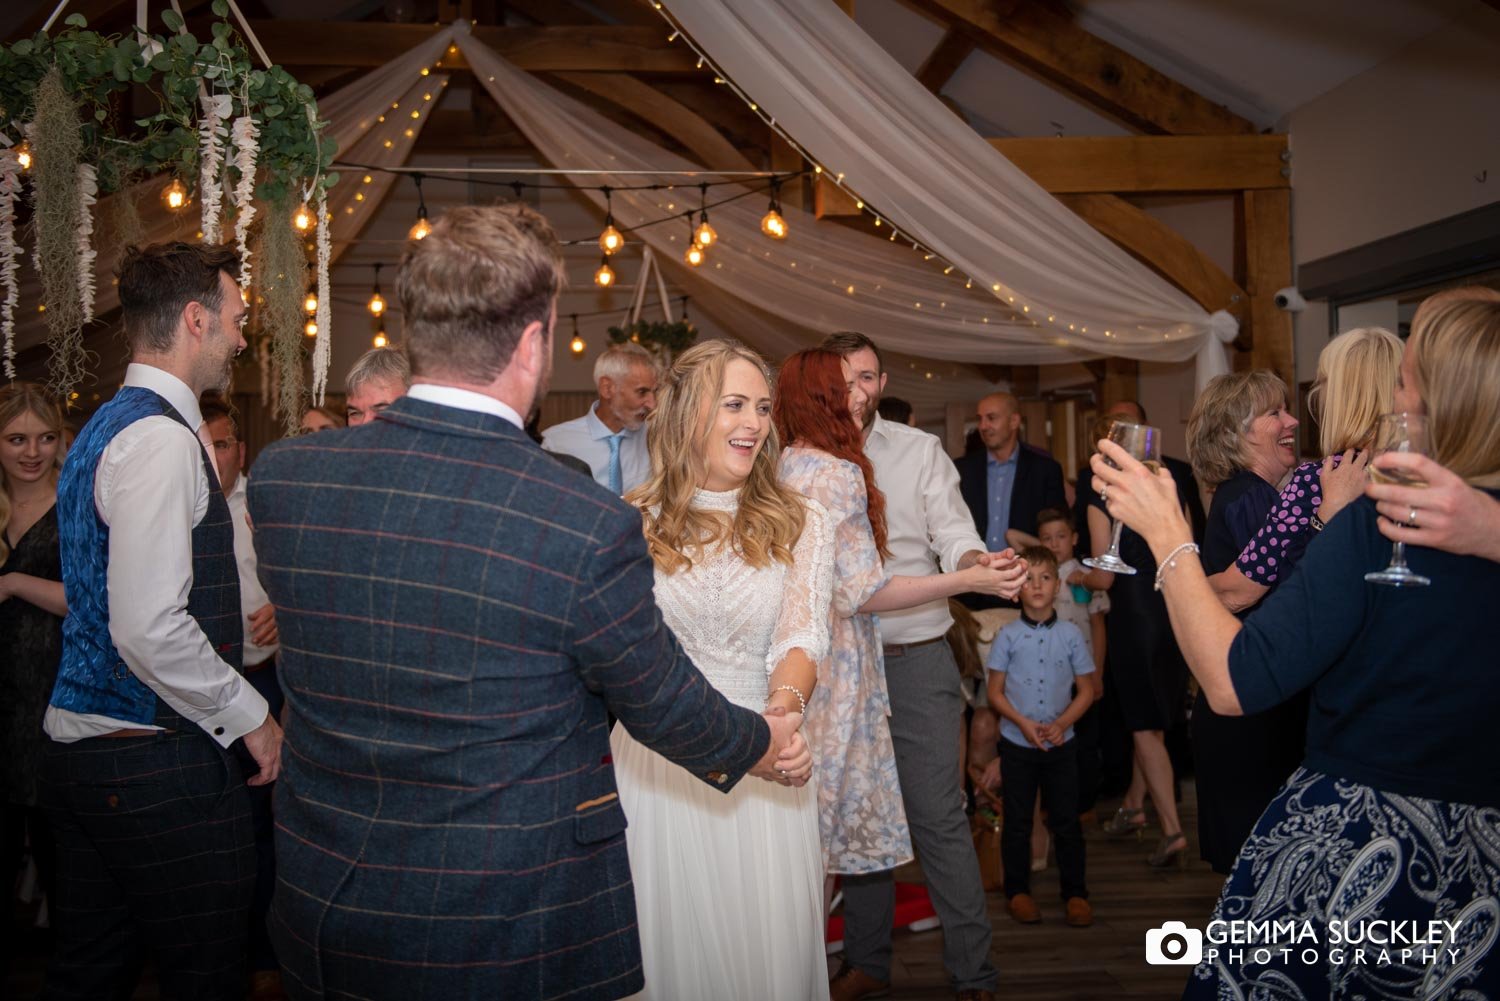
1125 822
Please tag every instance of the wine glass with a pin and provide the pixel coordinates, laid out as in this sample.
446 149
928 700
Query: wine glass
1398 433
1143 442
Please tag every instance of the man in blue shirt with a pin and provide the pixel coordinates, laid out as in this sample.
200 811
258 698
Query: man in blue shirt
1007 483
611 437
1032 667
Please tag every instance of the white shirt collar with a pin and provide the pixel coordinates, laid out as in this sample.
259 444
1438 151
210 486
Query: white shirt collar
878 426
168 387
465 399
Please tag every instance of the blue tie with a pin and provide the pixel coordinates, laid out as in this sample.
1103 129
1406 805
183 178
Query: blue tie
616 476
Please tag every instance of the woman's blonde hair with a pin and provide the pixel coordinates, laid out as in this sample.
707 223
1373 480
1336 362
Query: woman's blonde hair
770 516
1221 416
22 398
1355 383
1456 358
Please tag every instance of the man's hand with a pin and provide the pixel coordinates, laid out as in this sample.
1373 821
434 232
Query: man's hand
788 757
264 745
1051 733
263 626
1009 573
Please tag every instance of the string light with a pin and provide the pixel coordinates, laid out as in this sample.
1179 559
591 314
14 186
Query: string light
421 228
610 240
377 301
380 340
23 155
705 235
605 276
694 254
303 219
772 224
576 345
310 302
174 194
311 328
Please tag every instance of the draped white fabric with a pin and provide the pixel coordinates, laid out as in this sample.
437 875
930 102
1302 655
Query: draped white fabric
826 277
857 111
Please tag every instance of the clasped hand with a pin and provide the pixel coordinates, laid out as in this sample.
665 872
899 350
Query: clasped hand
1000 574
788 761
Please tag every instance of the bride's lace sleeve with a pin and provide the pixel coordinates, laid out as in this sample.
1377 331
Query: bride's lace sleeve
806 592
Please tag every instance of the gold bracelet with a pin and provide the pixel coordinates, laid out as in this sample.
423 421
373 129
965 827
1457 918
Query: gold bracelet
793 689
1170 563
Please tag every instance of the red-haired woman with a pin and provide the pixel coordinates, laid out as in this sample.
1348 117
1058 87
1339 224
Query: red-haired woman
819 411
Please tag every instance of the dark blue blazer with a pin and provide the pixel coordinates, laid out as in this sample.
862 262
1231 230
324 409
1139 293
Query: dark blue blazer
457 611
1038 485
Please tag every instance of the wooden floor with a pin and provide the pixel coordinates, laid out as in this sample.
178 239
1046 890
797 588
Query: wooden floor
1052 962
1046 962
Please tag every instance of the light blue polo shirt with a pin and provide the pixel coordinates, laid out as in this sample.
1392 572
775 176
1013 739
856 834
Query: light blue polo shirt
1040 661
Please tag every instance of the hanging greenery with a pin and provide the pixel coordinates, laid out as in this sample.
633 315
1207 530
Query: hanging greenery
65 92
282 270
657 336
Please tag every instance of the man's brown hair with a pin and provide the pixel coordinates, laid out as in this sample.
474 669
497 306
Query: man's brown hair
473 285
846 342
158 281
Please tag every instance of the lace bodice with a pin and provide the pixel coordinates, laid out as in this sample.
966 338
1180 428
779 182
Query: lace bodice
736 621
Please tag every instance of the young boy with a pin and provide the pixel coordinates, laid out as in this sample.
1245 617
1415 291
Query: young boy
1075 602
1032 666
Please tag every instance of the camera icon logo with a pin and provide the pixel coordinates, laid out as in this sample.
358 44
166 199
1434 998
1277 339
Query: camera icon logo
1174 944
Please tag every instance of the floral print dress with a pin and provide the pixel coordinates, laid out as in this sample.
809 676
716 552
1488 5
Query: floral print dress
860 814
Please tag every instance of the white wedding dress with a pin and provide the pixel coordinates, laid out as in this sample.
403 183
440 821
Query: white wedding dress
729 887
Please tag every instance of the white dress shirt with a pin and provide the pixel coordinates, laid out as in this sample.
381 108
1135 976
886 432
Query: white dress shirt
586 439
465 399
252 595
151 488
928 526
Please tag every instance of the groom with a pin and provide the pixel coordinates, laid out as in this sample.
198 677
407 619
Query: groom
457 613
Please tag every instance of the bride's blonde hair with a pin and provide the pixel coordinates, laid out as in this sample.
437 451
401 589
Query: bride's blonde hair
770 516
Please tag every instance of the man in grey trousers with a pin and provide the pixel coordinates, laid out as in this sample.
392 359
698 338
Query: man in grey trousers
929 530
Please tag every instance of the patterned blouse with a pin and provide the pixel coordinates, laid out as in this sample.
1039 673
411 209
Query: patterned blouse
860 813
1272 552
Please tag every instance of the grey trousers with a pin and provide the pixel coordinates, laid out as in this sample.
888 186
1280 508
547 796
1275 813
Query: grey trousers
926 708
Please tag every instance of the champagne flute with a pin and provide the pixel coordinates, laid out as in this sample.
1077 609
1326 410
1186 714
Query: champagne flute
1398 433
1143 442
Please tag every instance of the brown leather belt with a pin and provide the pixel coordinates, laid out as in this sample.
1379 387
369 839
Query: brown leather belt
134 733
901 649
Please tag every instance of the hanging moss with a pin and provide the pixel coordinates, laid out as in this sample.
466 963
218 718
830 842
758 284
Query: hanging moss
282 271
57 145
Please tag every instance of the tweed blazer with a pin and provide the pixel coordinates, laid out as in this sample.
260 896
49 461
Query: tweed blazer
457 611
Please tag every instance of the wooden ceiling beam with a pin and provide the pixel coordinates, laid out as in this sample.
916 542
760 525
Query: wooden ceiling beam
1122 164
1160 247
1050 42
572 48
944 60
1137 165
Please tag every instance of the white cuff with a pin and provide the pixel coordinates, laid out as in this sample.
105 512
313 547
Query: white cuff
244 713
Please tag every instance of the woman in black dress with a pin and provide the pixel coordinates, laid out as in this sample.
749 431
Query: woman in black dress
1145 678
1242 443
31 610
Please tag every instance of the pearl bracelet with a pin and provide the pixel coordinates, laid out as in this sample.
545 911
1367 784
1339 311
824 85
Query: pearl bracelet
793 689
1170 563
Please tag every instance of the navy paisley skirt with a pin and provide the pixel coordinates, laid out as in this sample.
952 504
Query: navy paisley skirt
1331 854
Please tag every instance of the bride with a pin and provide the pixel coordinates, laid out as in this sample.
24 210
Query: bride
729 887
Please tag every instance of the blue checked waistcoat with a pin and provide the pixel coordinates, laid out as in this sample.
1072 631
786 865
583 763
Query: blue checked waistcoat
457 610
92 678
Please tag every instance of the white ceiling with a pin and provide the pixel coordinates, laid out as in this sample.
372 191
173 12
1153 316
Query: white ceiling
1260 58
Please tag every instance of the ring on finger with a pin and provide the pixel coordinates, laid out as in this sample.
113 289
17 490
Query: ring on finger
1411 518
1104 494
